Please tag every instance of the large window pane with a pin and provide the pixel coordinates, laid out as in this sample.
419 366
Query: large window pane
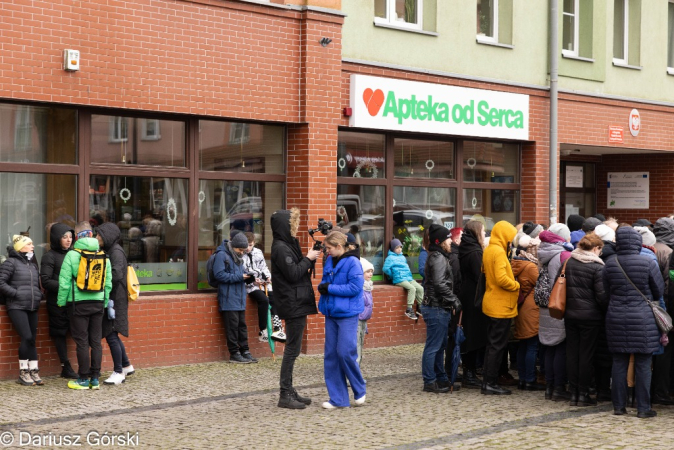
360 155
424 159
240 147
486 17
670 35
360 210
380 8
490 206
235 205
406 10
414 210
31 202
152 214
38 134
619 29
490 162
130 140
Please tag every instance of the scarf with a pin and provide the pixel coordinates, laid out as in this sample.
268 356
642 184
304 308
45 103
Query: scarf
586 257
524 254
368 285
235 256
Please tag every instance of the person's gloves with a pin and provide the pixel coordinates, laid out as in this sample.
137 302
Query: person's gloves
323 288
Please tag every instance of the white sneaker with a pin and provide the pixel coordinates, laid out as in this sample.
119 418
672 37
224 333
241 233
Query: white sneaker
328 405
115 378
360 401
263 336
129 370
279 336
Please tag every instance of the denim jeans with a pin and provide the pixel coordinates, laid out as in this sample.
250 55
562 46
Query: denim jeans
118 352
526 359
642 389
437 326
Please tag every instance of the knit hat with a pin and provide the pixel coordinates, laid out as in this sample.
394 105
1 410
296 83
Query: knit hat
395 243
590 224
600 217
350 238
561 230
605 232
367 265
438 234
239 241
575 222
647 236
532 229
643 223
20 241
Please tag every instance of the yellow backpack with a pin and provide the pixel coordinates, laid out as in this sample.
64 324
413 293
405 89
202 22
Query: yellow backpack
132 283
91 271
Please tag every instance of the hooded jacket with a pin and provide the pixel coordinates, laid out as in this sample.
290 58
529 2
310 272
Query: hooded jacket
111 236
526 322
345 291
229 274
20 281
470 266
500 298
630 325
50 266
68 274
664 244
552 254
396 268
293 293
254 262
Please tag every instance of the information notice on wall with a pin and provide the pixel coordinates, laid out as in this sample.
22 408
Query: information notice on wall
628 190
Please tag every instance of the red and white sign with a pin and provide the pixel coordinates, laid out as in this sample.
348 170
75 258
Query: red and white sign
635 122
615 135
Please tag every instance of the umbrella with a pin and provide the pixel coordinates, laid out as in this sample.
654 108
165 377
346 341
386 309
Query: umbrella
272 345
459 337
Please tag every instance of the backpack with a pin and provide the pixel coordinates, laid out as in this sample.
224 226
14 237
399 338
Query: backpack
91 270
543 287
132 283
210 275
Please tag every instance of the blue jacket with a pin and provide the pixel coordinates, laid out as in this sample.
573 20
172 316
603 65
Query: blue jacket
345 292
367 303
423 256
231 287
576 236
396 268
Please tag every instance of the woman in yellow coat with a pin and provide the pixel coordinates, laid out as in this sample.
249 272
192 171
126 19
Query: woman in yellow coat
499 303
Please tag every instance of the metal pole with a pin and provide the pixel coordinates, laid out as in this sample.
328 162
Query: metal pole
554 32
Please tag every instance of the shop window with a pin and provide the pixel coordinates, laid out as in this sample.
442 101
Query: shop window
38 134
241 147
490 162
225 206
152 214
361 155
626 32
416 158
416 209
360 211
494 21
490 206
137 141
577 28
670 37
399 13
31 202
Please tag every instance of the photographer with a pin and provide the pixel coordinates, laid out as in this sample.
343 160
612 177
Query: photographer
294 297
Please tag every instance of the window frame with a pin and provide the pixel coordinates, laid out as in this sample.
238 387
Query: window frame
115 134
625 28
495 15
144 135
670 38
390 12
576 30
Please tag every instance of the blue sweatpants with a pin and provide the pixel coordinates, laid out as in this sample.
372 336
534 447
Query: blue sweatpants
341 344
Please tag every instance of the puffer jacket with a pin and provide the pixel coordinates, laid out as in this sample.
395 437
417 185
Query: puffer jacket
396 268
551 331
50 266
293 292
585 295
20 282
500 298
439 287
526 322
254 262
229 274
345 291
71 264
423 256
111 236
630 325
456 268
608 251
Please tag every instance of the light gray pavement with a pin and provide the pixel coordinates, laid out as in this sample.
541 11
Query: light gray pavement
222 405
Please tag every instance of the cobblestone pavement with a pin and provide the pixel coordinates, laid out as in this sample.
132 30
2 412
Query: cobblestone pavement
221 405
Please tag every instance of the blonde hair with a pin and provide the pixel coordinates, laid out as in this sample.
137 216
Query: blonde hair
335 238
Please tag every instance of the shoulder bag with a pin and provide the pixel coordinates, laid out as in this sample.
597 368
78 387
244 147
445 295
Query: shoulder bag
557 304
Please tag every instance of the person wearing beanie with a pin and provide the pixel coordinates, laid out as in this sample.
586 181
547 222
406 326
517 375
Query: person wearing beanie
601 217
229 272
574 235
605 232
643 223
368 272
590 224
532 229
20 286
396 268
575 222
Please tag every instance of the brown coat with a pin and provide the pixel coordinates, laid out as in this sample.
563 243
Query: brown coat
526 322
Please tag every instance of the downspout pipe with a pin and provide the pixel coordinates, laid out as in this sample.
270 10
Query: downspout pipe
553 171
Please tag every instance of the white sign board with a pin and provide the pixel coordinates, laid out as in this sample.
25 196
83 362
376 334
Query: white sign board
400 105
574 176
628 190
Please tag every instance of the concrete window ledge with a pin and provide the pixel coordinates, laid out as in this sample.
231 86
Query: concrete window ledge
409 30
626 66
577 58
494 44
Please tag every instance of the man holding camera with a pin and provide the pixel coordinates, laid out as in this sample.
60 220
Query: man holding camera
294 297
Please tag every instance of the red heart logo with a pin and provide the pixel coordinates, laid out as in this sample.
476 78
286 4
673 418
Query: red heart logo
373 100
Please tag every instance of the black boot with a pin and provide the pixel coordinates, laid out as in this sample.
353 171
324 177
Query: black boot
436 388
584 399
573 401
631 399
299 398
67 371
548 391
470 380
453 388
560 394
494 389
288 400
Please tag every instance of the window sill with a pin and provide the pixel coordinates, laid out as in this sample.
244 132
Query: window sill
620 63
670 70
493 44
577 58
401 28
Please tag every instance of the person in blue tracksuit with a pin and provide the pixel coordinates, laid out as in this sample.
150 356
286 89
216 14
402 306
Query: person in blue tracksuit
341 302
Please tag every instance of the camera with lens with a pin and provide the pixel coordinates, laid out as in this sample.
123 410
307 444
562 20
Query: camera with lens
324 227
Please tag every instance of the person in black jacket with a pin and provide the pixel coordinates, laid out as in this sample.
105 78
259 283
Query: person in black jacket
108 235
20 286
584 316
439 302
455 238
61 239
294 297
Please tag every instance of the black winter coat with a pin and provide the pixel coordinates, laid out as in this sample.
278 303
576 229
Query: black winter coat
110 234
630 325
470 265
585 295
456 268
50 266
293 293
439 285
20 282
